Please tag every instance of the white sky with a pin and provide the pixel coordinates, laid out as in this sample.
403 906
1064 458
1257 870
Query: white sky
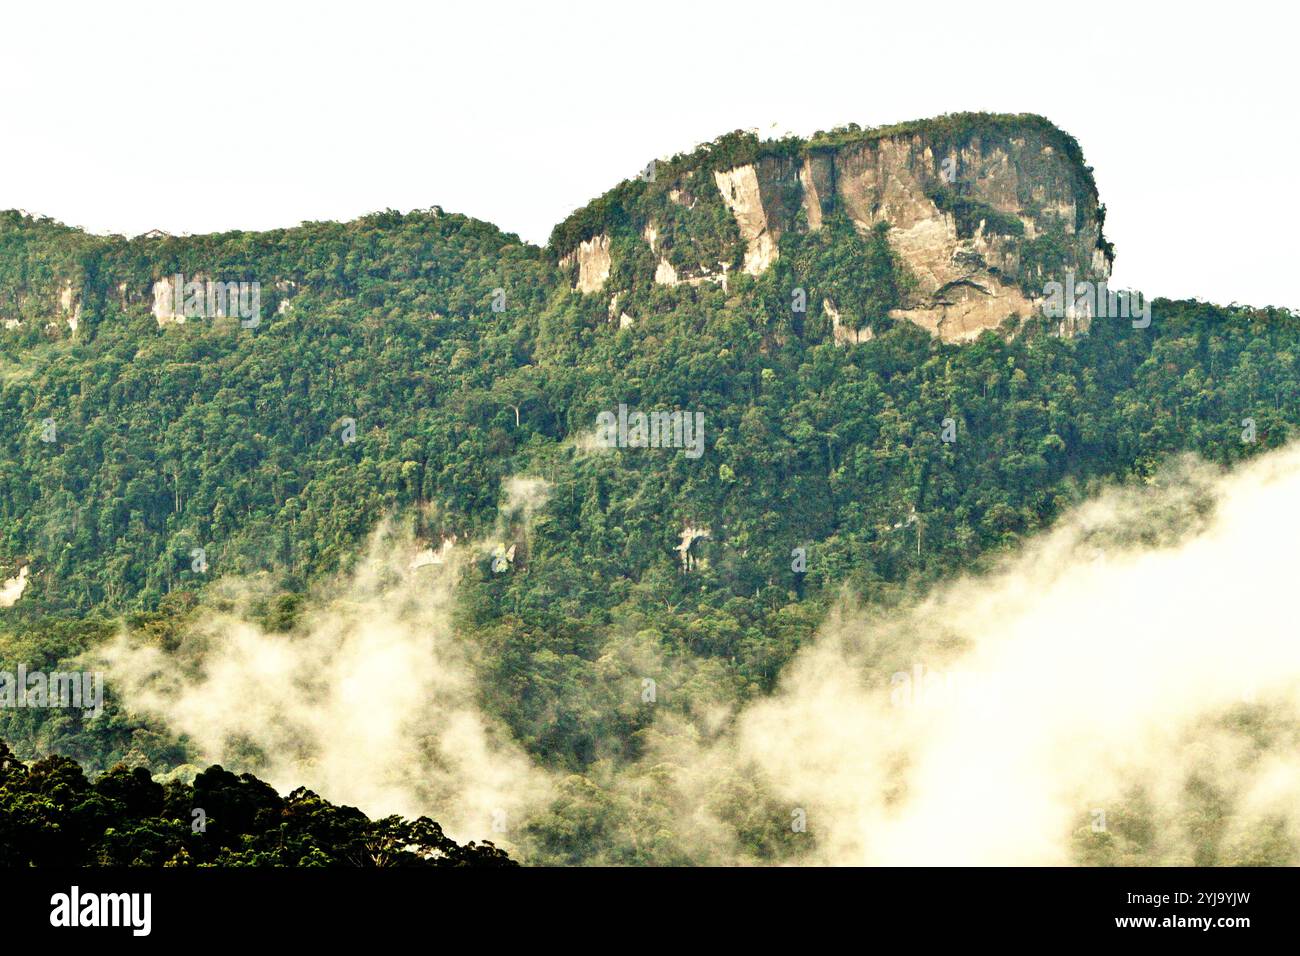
198 117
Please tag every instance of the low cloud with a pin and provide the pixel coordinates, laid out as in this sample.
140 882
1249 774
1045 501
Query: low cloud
1145 646
1126 683
371 700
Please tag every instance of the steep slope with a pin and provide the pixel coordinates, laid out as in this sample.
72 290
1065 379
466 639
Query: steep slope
842 450
136 438
981 211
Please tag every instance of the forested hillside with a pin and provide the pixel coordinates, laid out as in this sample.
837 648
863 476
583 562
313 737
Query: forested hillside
51 815
464 358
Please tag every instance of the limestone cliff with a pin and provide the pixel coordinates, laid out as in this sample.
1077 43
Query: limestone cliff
41 288
956 224
591 260
981 211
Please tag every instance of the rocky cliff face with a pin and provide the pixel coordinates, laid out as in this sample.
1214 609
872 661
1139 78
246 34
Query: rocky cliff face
592 261
981 211
974 215
40 278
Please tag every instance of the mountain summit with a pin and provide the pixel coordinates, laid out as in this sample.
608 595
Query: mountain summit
427 518
982 210
956 224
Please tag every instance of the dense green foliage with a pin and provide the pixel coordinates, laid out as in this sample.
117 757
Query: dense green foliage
618 207
51 815
228 439
153 429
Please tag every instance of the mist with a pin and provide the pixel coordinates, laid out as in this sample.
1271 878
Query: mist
370 701
1146 646
1122 688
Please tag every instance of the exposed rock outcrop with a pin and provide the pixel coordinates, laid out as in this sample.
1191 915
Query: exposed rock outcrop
592 261
844 333
969 222
164 302
44 307
688 549
69 306
740 191
981 211
432 556
12 589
